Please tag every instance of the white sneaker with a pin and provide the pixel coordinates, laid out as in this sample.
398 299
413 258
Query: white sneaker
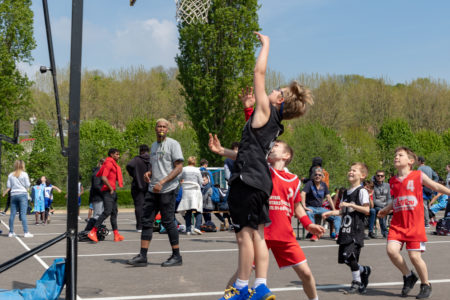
11 234
189 233
28 235
197 231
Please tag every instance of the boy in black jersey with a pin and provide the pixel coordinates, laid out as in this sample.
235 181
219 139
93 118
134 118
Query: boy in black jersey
354 205
250 183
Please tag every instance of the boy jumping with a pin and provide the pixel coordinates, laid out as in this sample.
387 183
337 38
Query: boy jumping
354 205
407 225
251 184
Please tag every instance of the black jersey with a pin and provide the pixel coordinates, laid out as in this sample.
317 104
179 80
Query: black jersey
352 225
251 162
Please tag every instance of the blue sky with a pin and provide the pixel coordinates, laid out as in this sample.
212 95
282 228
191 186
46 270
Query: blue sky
399 40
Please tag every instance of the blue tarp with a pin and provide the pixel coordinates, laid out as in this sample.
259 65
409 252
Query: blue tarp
49 287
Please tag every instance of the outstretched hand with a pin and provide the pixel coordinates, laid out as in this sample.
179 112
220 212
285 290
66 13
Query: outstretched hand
214 144
264 39
316 229
382 213
247 97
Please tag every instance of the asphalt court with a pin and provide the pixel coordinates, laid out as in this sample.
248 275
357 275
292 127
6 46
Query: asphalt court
208 261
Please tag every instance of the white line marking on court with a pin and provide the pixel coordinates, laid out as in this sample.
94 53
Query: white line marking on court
288 289
39 259
211 250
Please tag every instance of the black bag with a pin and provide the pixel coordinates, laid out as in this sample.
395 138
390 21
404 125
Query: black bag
102 233
208 227
443 227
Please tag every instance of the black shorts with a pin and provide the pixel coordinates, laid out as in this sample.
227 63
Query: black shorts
249 206
348 252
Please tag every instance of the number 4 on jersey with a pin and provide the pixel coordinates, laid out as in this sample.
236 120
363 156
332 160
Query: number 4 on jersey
410 185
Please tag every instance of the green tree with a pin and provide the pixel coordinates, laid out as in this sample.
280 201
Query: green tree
138 131
394 133
361 146
96 138
45 158
311 140
216 60
16 43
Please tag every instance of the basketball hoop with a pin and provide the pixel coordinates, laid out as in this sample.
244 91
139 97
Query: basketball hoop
192 11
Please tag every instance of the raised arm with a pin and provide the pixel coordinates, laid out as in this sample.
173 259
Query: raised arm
215 147
435 186
262 110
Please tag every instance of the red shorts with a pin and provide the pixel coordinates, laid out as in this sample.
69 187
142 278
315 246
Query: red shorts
287 254
410 246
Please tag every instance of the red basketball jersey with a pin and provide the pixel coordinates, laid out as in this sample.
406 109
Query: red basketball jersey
408 219
285 193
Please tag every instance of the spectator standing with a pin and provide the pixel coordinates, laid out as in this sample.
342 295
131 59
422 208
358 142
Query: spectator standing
109 172
191 199
381 198
48 197
166 159
427 192
204 168
313 195
19 183
136 168
95 196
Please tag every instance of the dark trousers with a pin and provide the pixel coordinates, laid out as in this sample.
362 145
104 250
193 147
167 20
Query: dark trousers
110 209
138 198
164 203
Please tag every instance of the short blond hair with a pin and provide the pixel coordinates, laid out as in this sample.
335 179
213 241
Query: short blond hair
192 161
162 120
296 100
362 167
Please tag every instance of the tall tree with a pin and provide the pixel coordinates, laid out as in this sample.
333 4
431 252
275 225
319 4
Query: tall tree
216 60
16 43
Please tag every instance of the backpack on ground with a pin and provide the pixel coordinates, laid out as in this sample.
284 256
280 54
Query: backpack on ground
443 227
208 227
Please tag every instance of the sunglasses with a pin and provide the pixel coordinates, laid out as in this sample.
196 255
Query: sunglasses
380 175
318 175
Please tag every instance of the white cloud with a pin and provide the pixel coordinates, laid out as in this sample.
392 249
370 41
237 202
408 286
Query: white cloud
150 42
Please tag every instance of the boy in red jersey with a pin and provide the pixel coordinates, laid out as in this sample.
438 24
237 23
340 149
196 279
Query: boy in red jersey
284 202
407 220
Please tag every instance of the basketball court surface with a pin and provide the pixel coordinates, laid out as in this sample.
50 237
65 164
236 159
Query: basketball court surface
208 262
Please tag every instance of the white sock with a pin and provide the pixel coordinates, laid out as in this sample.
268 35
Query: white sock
356 276
259 281
240 284
317 298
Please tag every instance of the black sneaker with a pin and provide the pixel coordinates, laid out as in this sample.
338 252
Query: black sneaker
408 283
425 291
354 288
365 279
138 261
174 260
372 235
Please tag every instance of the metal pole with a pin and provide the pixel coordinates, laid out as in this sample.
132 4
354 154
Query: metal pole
53 70
74 148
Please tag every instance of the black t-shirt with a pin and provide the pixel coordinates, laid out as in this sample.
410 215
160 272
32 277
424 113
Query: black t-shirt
314 195
251 162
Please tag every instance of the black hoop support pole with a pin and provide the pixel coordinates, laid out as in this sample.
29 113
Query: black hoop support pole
74 148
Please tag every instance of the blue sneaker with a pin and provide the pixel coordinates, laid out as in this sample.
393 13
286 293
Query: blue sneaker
261 292
232 293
